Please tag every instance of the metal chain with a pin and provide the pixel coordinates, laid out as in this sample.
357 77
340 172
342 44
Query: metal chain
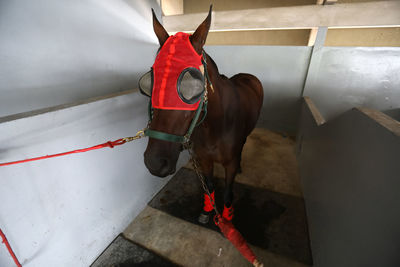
196 168
188 145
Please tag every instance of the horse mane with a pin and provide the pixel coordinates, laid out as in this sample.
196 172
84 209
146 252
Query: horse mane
211 62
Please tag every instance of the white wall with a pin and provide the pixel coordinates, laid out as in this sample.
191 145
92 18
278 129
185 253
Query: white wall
54 52
65 211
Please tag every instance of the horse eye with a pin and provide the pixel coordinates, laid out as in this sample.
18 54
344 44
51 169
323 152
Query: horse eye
190 85
146 83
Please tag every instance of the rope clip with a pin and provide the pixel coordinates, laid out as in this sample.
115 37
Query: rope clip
138 135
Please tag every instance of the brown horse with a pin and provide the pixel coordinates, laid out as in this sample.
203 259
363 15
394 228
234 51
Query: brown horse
234 106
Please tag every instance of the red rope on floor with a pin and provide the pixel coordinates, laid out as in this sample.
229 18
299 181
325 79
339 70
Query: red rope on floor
233 235
110 144
12 254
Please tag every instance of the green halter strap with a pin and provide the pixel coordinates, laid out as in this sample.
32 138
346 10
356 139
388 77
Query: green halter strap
177 138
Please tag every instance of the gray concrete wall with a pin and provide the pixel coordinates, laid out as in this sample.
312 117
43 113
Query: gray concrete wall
282 71
65 211
56 52
349 168
346 77
338 78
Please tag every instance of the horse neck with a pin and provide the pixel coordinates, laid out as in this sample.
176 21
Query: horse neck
215 107
209 131
214 94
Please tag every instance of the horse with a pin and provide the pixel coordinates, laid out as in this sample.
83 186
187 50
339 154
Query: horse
232 109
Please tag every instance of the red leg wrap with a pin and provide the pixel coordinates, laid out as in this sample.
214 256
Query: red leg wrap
207 202
228 213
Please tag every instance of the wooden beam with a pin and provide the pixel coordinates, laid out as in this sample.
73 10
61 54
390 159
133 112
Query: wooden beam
313 36
348 15
313 31
330 2
172 7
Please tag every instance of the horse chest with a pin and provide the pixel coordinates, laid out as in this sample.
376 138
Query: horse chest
217 149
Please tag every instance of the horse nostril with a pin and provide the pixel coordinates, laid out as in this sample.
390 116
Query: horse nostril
157 165
163 162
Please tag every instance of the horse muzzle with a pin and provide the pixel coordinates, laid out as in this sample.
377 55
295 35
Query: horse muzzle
159 166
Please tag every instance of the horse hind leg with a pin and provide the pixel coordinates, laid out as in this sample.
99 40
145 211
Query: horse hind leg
240 170
207 168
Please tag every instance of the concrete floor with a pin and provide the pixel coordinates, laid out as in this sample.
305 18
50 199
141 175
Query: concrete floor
187 244
269 163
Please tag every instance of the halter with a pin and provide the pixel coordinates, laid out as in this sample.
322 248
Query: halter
202 107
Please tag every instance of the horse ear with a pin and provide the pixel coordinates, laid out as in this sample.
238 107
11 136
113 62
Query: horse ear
198 39
159 30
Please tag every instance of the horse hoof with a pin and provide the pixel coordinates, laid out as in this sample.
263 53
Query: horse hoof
204 218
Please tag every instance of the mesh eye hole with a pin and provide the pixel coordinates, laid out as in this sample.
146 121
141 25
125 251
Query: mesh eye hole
146 83
190 85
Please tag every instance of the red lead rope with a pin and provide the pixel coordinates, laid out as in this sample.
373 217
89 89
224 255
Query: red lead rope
5 241
110 144
107 144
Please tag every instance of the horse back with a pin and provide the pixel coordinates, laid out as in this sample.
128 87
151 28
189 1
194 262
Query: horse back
251 95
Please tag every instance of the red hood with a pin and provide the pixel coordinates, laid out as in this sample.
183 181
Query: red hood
176 54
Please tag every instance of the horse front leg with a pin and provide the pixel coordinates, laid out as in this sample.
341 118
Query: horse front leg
231 170
207 168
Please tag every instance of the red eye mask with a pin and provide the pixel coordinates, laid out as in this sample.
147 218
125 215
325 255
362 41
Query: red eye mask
177 82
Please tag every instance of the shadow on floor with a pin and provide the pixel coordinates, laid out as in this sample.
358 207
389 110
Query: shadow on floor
269 220
124 253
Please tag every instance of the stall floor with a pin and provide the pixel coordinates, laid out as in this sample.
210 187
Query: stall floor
269 212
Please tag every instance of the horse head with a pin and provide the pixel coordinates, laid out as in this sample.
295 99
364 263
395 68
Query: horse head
175 85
